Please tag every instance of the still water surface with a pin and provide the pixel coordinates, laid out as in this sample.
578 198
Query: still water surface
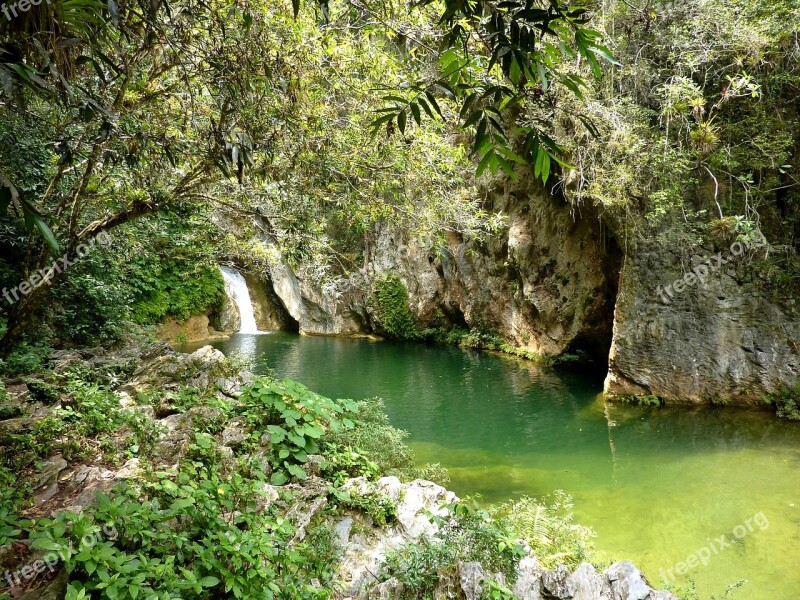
656 484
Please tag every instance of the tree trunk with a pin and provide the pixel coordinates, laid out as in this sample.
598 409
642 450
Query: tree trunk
21 318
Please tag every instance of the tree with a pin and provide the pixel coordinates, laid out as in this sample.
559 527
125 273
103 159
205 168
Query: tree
153 106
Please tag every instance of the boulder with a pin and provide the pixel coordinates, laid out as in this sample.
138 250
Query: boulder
529 579
627 582
471 576
557 584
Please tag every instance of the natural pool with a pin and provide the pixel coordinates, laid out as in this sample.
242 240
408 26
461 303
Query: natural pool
658 485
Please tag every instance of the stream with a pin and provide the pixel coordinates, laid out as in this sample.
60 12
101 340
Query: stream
658 485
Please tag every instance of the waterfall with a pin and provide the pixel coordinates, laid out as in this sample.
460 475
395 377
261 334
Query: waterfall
236 288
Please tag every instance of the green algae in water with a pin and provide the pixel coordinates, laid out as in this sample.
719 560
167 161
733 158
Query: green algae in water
656 484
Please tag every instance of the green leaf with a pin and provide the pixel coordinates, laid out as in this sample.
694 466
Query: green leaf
487 159
278 433
296 439
401 121
415 113
279 478
297 472
432 99
312 430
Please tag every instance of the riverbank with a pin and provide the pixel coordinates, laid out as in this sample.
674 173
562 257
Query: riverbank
642 477
185 449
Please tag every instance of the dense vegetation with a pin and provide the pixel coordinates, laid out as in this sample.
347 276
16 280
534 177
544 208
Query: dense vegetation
209 527
259 146
195 132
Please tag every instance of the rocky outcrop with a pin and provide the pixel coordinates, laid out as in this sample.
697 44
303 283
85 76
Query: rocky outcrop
719 339
365 550
270 313
194 329
546 282
318 309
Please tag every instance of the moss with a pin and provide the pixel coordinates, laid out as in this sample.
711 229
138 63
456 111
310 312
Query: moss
479 339
645 400
394 316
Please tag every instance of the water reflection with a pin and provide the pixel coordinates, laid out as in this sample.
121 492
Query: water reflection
655 483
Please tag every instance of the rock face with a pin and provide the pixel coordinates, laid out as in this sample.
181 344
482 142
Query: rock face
194 329
270 313
364 553
545 282
721 340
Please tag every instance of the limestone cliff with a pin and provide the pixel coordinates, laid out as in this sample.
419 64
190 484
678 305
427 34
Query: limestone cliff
553 280
724 339
546 282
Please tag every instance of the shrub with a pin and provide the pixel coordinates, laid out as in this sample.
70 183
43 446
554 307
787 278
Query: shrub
295 419
786 401
547 525
394 316
26 358
42 391
191 534
375 442
175 288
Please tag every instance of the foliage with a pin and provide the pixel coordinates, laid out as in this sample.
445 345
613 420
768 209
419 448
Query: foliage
381 509
468 534
176 289
548 526
786 401
646 400
41 391
260 115
192 533
394 316
478 338
697 130
26 358
420 565
90 426
295 419
495 57
373 447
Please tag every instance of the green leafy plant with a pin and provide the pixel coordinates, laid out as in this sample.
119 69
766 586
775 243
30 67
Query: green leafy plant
646 400
192 534
786 401
294 419
391 300
548 526
381 509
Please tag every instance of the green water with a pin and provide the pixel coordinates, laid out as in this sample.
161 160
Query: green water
655 483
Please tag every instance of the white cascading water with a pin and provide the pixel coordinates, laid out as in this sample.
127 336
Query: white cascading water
236 288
